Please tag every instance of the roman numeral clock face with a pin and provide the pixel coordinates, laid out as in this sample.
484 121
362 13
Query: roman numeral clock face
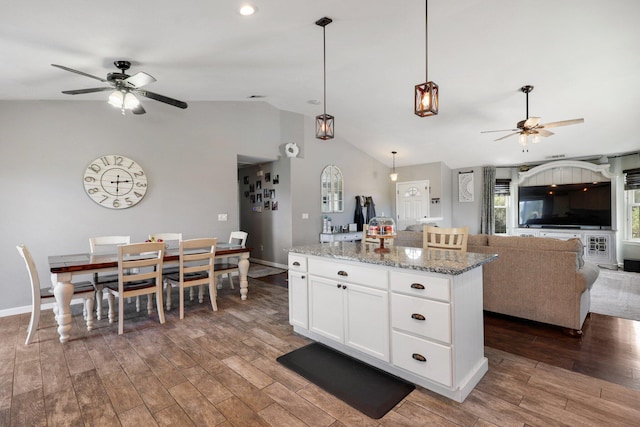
115 182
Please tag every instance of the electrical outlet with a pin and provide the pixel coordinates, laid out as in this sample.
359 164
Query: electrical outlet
222 217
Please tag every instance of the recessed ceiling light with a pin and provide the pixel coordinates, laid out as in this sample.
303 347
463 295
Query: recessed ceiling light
247 10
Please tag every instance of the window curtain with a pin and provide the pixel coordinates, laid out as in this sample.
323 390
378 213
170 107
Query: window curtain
487 216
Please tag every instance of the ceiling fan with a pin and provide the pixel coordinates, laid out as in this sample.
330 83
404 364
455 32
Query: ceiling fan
124 88
531 126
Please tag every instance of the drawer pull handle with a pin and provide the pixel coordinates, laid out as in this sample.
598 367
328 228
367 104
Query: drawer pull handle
418 316
342 273
296 264
417 286
344 286
419 357
339 285
303 277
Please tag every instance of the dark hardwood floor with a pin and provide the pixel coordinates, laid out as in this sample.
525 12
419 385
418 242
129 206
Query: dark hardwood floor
609 349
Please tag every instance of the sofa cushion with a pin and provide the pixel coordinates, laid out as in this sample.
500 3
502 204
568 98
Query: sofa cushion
478 240
536 243
415 227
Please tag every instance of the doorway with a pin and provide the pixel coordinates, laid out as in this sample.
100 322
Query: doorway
412 202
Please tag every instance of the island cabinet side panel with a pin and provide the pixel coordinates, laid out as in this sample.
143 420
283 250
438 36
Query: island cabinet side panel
468 323
298 291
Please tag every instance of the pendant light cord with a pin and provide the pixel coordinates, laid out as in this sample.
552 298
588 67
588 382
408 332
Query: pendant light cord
426 39
324 61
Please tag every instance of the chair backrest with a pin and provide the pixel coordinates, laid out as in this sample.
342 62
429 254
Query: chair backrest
445 238
238 238
172 240
107 243
33 272
140 261
198 256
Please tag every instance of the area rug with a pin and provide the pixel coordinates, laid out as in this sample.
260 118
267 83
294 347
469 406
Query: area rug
367 389
259 270
616 293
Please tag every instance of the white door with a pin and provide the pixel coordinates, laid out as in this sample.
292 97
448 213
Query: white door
326 312
412 202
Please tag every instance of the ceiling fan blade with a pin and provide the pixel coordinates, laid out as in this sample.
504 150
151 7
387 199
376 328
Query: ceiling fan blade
62 67
161 98
502 130
531 122
544 132
138 110
139 79
507 136
562 123
90 90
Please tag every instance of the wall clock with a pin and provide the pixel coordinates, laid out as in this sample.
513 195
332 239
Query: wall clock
115 182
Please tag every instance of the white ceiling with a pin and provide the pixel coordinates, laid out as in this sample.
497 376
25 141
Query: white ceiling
582 56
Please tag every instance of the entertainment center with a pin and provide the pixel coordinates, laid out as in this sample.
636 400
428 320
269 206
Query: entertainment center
570 199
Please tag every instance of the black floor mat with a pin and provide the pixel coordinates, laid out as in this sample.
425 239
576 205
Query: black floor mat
368 389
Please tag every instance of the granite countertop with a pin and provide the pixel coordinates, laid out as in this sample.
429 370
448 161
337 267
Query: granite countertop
430 260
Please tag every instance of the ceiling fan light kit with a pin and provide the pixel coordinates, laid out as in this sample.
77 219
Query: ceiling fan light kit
124 88
324 121
531 126
426 95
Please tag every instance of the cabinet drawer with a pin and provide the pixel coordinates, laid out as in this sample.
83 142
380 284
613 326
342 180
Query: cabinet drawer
419 285
362 275
406 350
297 262
430 319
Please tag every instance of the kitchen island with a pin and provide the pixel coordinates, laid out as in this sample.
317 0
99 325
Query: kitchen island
412 312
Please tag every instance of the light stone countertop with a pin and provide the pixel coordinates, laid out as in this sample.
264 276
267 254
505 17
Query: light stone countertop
431 260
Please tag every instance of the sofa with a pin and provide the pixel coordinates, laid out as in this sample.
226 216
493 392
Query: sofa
541 279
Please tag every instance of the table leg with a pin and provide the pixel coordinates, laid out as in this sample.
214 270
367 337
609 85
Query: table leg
63 291
243 269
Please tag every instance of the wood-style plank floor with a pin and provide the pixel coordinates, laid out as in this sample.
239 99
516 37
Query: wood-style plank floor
220 369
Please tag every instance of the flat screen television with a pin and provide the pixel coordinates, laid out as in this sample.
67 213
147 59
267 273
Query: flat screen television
565 206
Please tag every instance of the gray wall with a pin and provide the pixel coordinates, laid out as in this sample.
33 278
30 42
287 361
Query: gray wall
189 156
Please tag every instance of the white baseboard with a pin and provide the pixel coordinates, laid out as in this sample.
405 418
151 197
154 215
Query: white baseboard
268 263
27 308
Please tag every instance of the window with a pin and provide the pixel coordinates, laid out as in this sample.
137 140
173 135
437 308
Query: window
501 204
332 188
632 193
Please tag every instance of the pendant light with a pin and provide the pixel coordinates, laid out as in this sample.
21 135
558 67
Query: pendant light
426 94
393 175
324 122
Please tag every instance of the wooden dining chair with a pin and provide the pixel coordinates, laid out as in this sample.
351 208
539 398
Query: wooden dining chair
230 265
197 265
83 289
445 238
139 273
106 244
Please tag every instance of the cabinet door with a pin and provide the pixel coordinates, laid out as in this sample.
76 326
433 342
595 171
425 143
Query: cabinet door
326 311
298 301
367 320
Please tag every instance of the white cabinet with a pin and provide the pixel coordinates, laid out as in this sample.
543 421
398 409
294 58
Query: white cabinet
340 237
298 292
348 313
599 245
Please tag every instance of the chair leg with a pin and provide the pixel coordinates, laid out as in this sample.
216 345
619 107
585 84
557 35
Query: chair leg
138 304
111 301
88 302
213 295
182 302
99 303
33 323
231 280
149 304
201 294
159 303
120 316
191 293
168 303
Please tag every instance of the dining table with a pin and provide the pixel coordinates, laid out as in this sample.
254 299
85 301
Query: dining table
64 267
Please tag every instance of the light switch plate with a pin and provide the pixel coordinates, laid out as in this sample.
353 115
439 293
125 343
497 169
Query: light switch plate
305 216
222 217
